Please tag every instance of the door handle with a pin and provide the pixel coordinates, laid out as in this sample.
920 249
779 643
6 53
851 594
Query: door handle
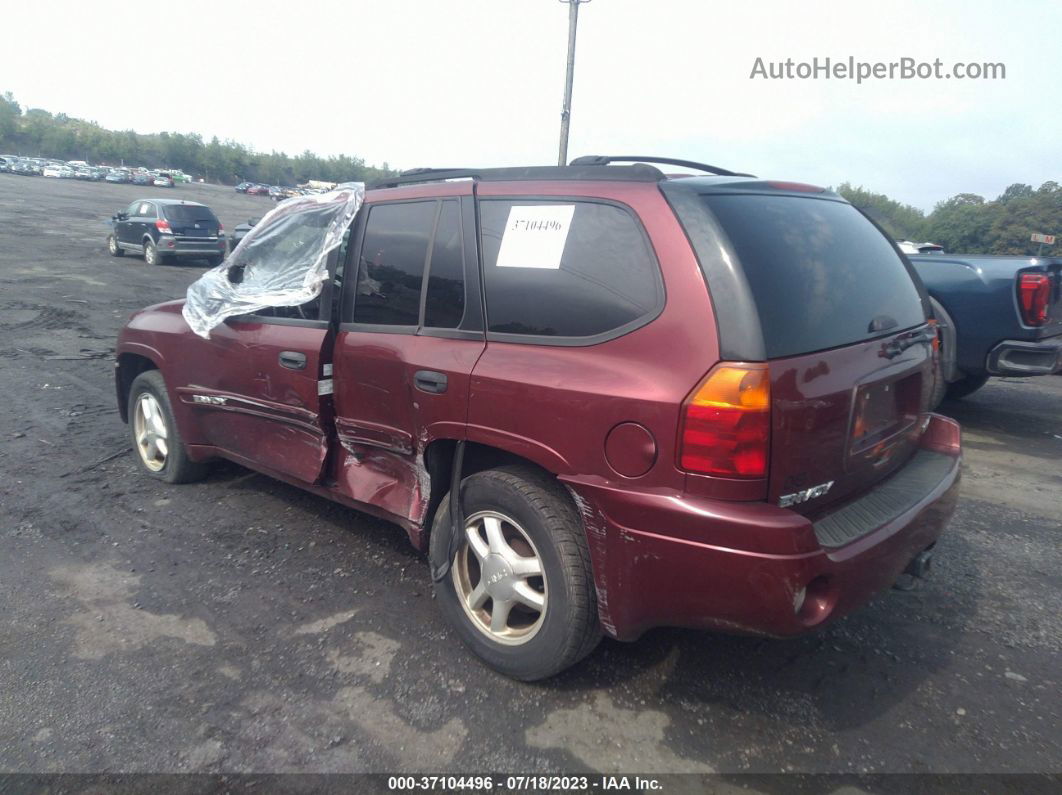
430 381
293 360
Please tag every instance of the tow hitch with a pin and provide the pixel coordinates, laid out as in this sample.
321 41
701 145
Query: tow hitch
917 569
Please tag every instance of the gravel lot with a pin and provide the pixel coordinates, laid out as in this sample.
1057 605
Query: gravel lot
242 625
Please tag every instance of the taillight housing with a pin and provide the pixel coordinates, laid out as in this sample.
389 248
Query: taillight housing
726 423
1034 296
162 225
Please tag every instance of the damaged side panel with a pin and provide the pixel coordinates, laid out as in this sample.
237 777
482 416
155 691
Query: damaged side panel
384 422
398 484
596 527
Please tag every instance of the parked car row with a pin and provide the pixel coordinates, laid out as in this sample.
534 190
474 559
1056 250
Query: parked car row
44 167
275 192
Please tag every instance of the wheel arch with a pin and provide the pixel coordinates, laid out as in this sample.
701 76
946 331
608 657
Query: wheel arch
127 367
949 361
478 457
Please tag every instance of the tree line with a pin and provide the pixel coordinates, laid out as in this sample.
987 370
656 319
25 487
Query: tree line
39 133
964 224
970 224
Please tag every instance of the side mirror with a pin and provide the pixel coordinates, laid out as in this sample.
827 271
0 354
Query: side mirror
120 216
235 273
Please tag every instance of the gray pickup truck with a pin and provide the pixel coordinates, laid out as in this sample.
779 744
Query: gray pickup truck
998 316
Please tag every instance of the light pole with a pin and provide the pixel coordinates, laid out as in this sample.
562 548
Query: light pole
566 111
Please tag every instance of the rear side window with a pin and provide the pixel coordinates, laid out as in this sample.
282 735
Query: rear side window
600 277
188 213
393 256
821 274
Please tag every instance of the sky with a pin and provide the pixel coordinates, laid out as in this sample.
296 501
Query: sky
480 82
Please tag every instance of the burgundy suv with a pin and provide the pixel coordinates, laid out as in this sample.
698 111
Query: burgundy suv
601 399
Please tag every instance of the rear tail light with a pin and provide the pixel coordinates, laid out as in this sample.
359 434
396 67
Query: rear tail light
1034 293
162 225
221 227
726 423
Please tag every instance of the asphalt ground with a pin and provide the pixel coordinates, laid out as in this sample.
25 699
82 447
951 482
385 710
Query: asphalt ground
239 624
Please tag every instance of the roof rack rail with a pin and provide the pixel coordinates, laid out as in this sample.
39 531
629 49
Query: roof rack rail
604 160
637 172
415 175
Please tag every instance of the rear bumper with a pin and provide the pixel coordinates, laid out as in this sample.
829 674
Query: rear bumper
171 246
1021 357
748 567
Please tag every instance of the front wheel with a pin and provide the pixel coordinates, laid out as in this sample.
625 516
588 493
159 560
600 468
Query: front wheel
520 590
113 247
156 439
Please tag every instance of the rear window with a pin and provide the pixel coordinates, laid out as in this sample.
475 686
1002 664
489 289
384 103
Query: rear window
188 213
821 274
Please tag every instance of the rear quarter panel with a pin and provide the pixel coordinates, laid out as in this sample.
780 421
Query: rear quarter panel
557 404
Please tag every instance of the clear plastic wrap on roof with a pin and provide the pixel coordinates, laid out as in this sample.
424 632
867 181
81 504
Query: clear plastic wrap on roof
282 261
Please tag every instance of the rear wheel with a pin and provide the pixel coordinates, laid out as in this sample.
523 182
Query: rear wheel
151 253
156 440
113 247
940 386
520 590
966 385
215 261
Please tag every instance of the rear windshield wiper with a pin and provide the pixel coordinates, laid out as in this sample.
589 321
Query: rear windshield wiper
896 346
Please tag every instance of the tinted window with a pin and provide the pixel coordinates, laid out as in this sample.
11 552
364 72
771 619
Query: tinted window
606 278
146 209
445 304
821 274
392 263
189 213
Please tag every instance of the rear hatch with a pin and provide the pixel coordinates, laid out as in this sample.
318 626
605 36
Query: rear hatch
191 220
844 329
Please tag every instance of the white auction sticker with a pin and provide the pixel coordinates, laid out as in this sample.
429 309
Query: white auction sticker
535 236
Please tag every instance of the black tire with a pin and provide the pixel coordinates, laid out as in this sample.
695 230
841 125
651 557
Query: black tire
113 248
945 356
940 386
544 510
966 385
178 468
215 261
151 253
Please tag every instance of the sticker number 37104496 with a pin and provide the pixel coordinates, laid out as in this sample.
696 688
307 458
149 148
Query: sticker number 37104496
535 236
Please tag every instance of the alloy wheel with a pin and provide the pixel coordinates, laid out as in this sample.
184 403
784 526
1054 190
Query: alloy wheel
149 427
499 579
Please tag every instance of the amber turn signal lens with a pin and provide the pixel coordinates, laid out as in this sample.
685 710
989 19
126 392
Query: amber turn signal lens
727 386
